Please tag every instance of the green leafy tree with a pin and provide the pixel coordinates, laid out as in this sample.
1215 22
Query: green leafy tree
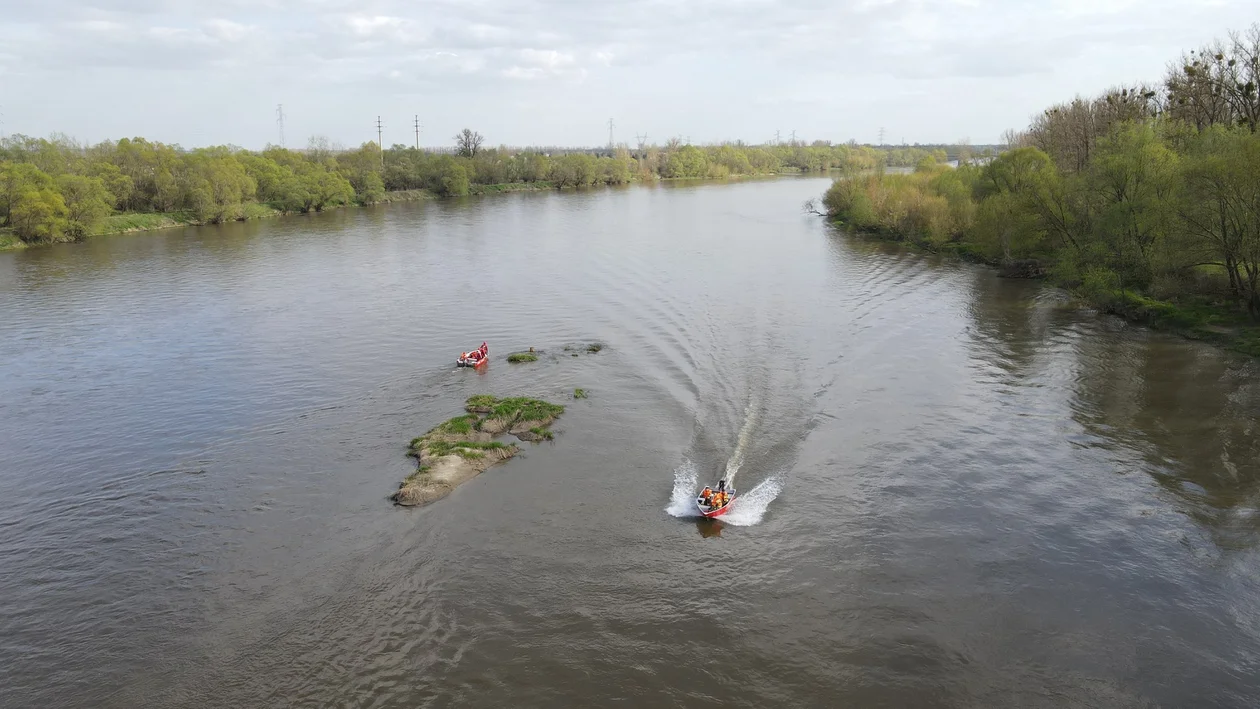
1132 182
1220 208
87 203
686 161
39 215
16 179
449 178
370 189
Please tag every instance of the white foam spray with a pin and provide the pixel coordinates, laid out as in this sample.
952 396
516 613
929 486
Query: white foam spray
745 434
751 506
681 499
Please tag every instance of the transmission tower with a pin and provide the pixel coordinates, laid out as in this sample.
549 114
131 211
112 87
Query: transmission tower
280 122
610 134
793 136
417 124
881 136
380 145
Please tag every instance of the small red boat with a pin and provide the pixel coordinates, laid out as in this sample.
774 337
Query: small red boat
476 358
715 502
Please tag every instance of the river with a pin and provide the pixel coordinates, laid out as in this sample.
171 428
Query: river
959 490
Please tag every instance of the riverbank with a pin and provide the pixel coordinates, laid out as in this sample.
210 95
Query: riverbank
461 448
1197 318
132 222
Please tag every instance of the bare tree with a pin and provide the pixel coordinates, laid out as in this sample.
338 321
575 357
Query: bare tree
810 206
964 151
1012 139
468 142
1218 84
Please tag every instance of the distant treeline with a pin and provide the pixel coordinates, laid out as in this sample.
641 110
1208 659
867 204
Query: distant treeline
57 190
1146 198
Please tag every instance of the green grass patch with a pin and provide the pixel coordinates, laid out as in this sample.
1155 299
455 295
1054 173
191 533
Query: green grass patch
481 401
415 477
8 240
407 196
542 433
470 450
510 187
143 221
1224 324
579 393
524 409
460 425
254 210
522 357
594 347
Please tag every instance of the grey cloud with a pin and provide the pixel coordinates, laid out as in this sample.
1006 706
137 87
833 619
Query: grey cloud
581 57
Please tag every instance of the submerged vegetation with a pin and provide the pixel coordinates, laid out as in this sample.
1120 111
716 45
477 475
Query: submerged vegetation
522 357
579 393
1145 200
459 448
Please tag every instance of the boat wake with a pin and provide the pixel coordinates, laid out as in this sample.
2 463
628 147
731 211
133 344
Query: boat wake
749 507
741 444
681 499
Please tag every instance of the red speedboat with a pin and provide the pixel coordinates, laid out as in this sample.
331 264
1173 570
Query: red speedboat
476 358
715 502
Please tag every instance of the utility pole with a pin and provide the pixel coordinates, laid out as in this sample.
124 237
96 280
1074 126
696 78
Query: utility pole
380 145
417 131
610 135
280 122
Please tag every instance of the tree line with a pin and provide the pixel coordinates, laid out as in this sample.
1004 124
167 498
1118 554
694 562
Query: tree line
54 189
1146 198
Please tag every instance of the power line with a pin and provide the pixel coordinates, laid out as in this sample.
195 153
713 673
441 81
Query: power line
280 122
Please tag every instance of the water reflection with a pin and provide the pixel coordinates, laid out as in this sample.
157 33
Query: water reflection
1186 412
708 527
1189 410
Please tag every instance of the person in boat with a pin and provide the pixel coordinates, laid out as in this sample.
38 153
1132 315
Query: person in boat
722 485
706 494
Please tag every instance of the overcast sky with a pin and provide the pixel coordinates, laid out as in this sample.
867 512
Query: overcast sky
528 72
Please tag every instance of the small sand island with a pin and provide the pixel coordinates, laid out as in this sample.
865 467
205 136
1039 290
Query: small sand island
461 448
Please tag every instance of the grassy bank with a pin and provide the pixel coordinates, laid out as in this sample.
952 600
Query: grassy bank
512 187
1196 319
9 242
131 222
406 196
